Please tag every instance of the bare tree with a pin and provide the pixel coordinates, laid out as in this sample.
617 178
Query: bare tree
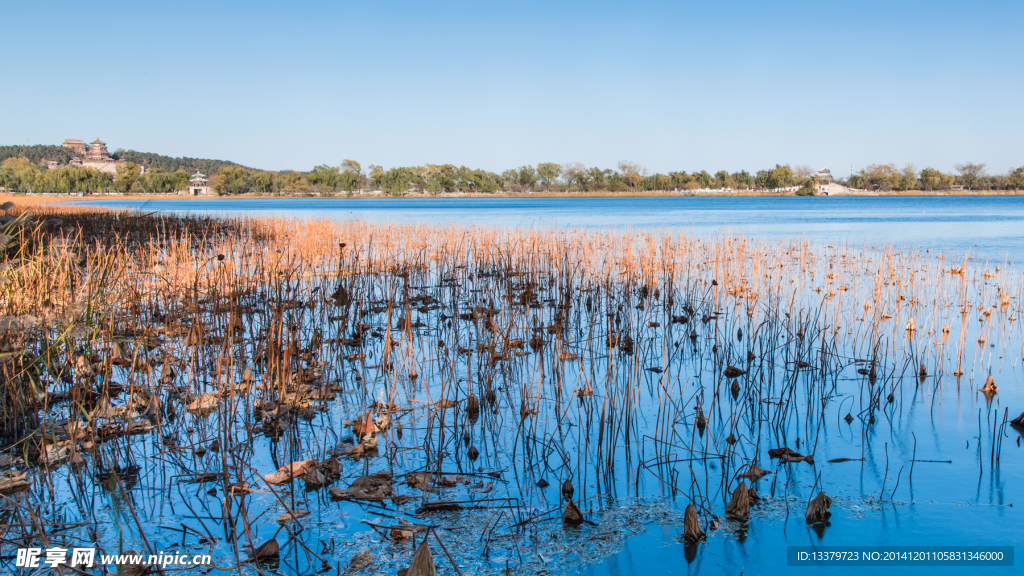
970 173
632 172
572 172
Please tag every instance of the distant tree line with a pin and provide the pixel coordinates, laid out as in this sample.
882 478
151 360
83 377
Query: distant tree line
350 177
22 169
20 175
969 176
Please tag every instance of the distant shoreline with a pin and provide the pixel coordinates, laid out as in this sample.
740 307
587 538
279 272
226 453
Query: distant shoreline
73 198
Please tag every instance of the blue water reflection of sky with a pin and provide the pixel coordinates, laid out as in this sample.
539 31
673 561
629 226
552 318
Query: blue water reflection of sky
991 226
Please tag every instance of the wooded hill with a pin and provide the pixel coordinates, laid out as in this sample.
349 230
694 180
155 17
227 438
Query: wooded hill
42 153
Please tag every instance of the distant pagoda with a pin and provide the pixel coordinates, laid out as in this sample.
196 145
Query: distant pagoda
198 185
94 156
98 151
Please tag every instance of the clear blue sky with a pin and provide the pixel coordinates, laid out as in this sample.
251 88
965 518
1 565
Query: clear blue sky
672 85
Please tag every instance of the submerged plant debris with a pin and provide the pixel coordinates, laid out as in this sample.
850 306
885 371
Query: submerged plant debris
318 395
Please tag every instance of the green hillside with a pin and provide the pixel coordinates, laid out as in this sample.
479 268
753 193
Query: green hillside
42 153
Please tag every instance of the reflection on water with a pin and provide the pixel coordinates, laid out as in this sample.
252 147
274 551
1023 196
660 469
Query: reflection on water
993 226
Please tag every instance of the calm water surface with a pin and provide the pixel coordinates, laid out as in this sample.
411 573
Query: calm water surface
991 226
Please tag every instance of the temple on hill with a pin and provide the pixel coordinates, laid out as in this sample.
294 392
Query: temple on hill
95 156
76 146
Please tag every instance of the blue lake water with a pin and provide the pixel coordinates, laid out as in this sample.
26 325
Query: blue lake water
990 226
956 496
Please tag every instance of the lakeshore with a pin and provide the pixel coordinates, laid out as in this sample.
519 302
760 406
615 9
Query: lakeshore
543 194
